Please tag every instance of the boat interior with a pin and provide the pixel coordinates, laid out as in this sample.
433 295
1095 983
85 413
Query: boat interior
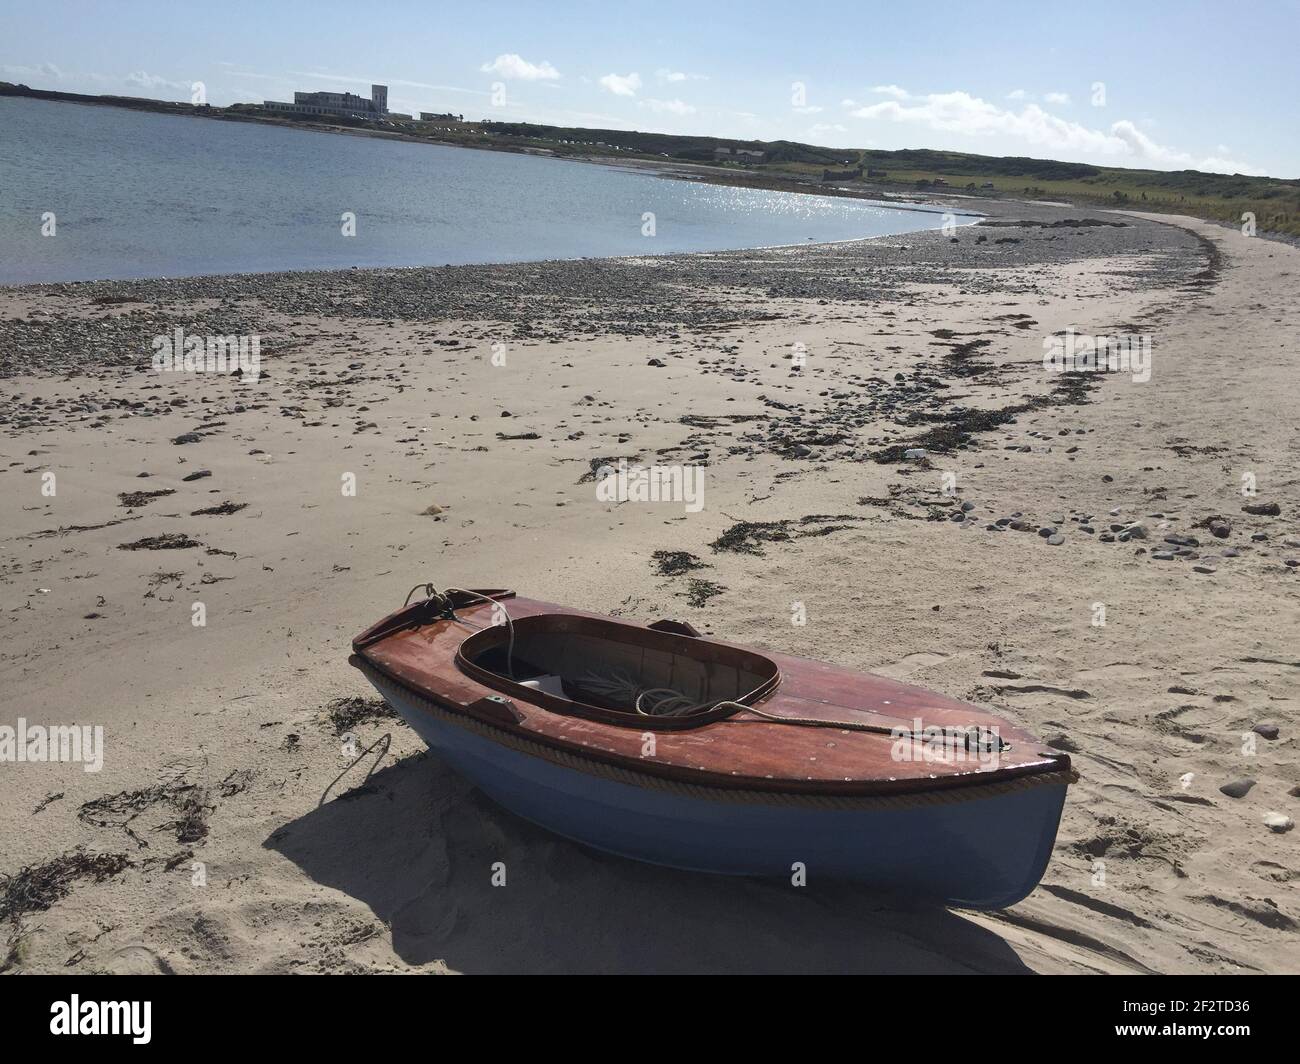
624 673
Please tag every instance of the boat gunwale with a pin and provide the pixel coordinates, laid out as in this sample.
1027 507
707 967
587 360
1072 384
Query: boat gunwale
1054 768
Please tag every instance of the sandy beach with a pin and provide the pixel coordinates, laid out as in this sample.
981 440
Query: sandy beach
259 810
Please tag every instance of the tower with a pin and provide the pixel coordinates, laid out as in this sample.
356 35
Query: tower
379 98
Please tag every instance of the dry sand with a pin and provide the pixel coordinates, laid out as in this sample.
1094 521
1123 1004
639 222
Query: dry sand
244 835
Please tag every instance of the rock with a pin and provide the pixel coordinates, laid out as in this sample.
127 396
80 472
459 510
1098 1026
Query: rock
1263 509
1046 530
1056 539
1278 822
198 475
1220 529
1268 731
1237 788
914 452
1162 555
1208 570
968 506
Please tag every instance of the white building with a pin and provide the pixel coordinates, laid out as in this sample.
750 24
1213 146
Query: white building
348 104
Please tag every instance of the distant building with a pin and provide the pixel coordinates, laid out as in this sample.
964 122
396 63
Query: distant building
346 104
738 155
430 116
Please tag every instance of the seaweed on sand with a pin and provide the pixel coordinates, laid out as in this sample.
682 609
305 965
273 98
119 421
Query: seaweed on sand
698 592
676 562
167 541
745 537
37 887
121 810
344 714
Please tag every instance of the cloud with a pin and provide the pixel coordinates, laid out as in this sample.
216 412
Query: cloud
517 68
1057 97
1018 94
962 113
142 80
827 127
622 85
676 107
41 70
811 109
890 90
666 75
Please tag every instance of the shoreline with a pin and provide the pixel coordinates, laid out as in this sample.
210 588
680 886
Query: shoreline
223 742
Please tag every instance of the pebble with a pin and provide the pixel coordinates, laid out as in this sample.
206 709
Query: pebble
1278 822
1238 788
1056 539
1268 731
1208 570
1162 555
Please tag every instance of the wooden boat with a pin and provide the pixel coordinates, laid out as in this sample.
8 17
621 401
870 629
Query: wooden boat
660 744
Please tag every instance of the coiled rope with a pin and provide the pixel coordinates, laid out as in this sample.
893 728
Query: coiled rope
443 601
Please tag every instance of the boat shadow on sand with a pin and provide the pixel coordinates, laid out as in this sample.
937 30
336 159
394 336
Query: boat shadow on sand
417 845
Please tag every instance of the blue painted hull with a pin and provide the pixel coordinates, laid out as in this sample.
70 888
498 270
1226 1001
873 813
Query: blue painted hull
985 853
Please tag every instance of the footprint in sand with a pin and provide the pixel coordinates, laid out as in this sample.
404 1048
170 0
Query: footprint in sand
905 666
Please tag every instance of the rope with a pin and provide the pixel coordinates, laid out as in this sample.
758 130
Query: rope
443 599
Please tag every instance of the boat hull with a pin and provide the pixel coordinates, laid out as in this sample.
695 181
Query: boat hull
979 853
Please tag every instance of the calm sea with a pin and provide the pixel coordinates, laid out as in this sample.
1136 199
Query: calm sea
145 195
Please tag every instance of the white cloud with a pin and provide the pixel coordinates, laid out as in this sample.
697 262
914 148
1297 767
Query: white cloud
676 107
664 74
890 90
827 127
811 109
621 84
962 113
142 80
1018 94
1057 97
517 68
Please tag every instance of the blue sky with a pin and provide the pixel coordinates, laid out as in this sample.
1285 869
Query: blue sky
1212 86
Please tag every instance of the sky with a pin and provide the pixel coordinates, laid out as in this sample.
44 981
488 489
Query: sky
1144 83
